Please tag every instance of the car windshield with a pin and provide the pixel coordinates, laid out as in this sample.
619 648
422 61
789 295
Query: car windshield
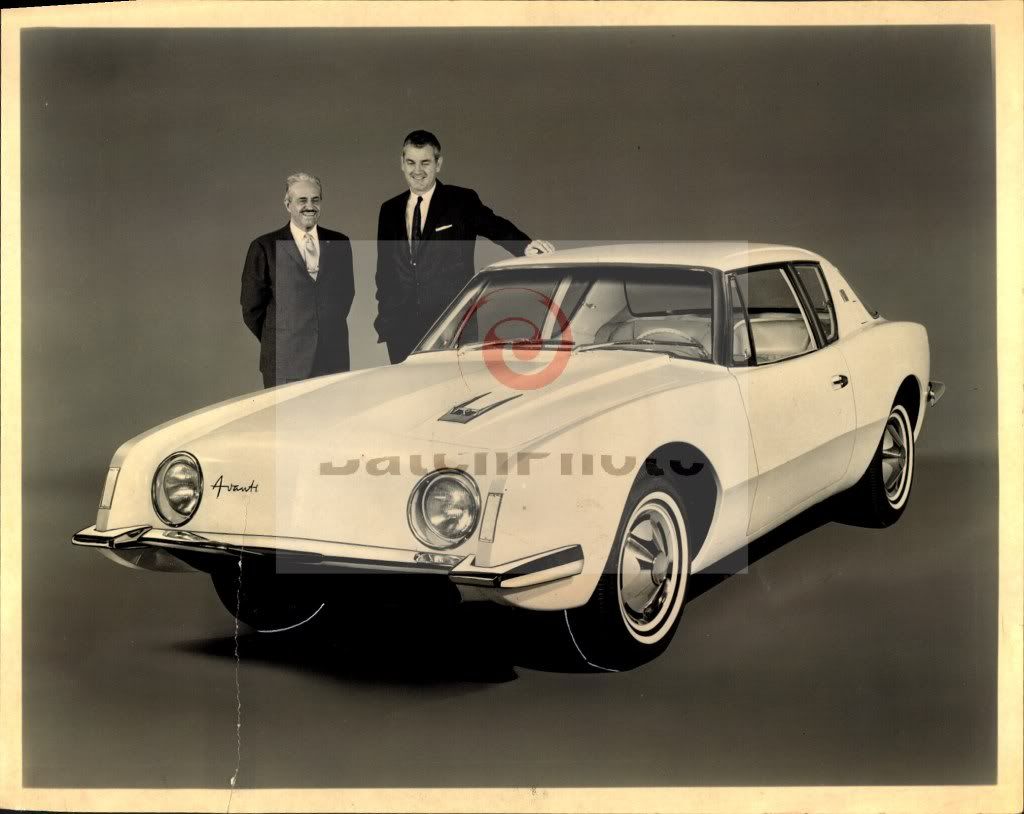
663 310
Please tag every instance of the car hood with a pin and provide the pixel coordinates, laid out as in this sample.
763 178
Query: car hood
274 462
450 399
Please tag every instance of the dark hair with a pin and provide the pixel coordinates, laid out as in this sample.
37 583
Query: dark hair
421 138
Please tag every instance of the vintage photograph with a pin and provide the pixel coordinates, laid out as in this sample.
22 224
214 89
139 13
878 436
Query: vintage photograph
413 405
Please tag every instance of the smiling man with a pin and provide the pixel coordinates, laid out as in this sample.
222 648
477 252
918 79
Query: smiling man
425 243
297 289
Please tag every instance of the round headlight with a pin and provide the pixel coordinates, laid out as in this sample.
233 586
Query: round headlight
177 488
444 508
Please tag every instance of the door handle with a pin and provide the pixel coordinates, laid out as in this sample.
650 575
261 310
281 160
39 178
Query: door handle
839 382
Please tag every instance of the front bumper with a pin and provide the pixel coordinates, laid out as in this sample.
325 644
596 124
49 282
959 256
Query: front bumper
295 554
291 554
527 572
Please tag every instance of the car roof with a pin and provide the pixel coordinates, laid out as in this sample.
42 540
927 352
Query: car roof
718 254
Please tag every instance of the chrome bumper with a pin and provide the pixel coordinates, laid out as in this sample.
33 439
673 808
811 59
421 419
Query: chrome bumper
537 569
299 552
935 391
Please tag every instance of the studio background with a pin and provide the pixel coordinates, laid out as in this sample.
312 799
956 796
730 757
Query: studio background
150 159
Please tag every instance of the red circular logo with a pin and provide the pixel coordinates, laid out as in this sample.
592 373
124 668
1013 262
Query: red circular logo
495 346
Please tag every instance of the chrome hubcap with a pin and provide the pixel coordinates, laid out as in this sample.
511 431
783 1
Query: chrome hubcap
648 566
659 569
894 457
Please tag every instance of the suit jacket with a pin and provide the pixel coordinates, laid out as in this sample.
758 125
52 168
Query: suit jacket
300 323
412 295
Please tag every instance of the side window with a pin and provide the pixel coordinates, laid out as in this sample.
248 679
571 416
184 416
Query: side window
774 323
817 292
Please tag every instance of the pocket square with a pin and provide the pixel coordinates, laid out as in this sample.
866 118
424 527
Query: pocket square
442 228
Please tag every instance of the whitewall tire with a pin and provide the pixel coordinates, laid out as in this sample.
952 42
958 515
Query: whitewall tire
635 608
881 495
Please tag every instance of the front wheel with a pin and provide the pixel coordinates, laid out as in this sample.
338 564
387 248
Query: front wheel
881 495
268 602
635 608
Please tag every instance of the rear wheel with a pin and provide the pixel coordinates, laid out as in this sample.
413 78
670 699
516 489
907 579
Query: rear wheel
635 608
881 495
266 601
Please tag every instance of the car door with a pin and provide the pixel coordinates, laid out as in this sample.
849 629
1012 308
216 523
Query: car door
795 386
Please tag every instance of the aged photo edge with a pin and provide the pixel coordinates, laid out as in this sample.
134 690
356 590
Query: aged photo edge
1007 21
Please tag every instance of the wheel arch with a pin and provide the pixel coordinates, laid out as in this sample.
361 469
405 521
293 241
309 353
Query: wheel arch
909 395
690 470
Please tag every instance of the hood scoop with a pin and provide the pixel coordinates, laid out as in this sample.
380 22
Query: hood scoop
464 413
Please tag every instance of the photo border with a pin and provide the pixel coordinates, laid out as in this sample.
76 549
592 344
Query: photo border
1006 18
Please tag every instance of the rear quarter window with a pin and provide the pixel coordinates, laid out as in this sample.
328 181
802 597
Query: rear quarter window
813 282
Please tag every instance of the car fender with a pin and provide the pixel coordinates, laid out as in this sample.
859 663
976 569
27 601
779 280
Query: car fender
591 466
880 358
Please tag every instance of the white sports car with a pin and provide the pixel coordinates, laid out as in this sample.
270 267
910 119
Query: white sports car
578 433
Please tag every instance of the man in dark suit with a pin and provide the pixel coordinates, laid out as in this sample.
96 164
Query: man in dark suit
297 288
425 243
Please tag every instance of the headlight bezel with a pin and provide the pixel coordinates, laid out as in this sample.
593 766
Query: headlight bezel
162 507
416 513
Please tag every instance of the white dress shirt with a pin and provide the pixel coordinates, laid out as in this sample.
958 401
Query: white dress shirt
410 209
312 264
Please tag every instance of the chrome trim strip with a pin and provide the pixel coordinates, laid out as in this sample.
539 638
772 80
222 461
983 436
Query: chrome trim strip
339 555
935 391
537 569
463 413
113 538
563 571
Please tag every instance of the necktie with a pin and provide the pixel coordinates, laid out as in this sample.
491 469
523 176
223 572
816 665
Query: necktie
417 227
312 261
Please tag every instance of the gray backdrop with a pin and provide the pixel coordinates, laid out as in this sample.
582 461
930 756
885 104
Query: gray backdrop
152 157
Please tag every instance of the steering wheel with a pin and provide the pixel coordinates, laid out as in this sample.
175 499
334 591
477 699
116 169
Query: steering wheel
684 338
680 338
